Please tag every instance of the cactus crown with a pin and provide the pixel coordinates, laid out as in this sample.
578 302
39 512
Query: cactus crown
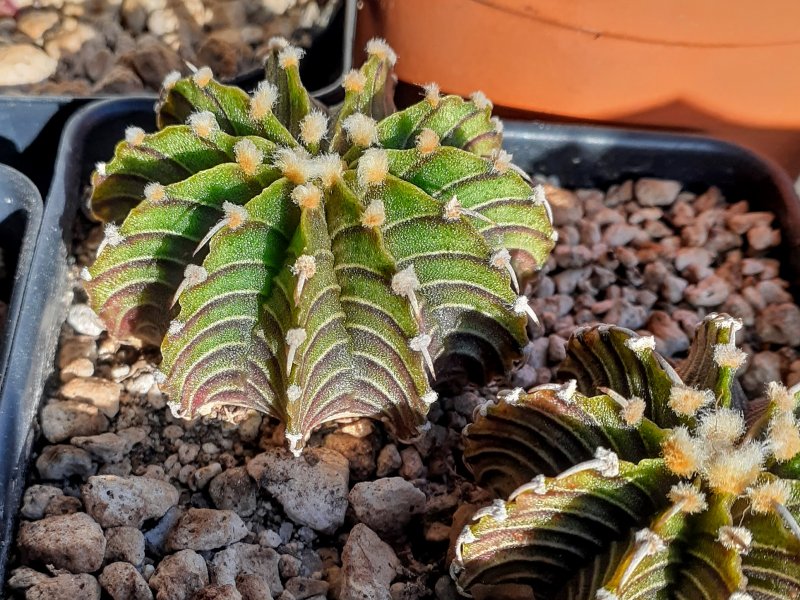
636 480
315 264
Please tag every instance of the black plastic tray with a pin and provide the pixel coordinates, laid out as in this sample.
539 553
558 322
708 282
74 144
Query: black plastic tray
597 157
20 219
579 156
30 126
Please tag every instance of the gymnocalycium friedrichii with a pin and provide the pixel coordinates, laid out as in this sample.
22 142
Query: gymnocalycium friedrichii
316 264
637 480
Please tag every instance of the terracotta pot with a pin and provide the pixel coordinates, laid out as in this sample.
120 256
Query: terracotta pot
726 66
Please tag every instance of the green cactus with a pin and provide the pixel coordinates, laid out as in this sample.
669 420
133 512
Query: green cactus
313 264
635 480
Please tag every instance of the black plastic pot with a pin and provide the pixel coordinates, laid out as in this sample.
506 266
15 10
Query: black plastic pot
30 126
579 156
20 219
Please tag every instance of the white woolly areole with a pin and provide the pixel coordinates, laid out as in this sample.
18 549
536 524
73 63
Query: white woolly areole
277 43
433 94
500 259
429 397
609 462
374 215
427 141
731 470
501 161
296 336
264 98
313 128
293 393
498 124
294 165
170 80
686 401
380 48
176 410
113 237
633 412
480 100
235 214
729 356
537 485
649 540
328 168
683 454
777 394
294 440
373 167
290 57
496 510
521 305
354 81
361 130
723 426
203 76
305 265
134 135
420 342
566 392
641 344
452 209
605 462
687 498
605 595
175 327
783 436
195 274
100 167
159 376
154 192
737 539
203 123
85 275
405 282
740 596
539 198
732 323
248 156
765 497
511 396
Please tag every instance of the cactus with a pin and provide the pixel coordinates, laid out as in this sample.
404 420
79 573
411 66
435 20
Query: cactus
313 264
635 480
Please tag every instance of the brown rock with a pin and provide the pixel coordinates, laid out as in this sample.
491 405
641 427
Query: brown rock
22 64
206 529
656 192
368 566
102 393
779 324
66 587
122 581
72 542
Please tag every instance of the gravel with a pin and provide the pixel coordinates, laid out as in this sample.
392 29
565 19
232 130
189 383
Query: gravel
119 482
80 47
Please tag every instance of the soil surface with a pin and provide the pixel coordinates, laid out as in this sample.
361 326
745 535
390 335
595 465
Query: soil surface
126 500
82 47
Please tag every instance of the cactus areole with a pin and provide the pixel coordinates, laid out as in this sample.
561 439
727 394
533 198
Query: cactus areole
635 480
316 264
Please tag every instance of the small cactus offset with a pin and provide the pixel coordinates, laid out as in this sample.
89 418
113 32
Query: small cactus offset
635 480
313 264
